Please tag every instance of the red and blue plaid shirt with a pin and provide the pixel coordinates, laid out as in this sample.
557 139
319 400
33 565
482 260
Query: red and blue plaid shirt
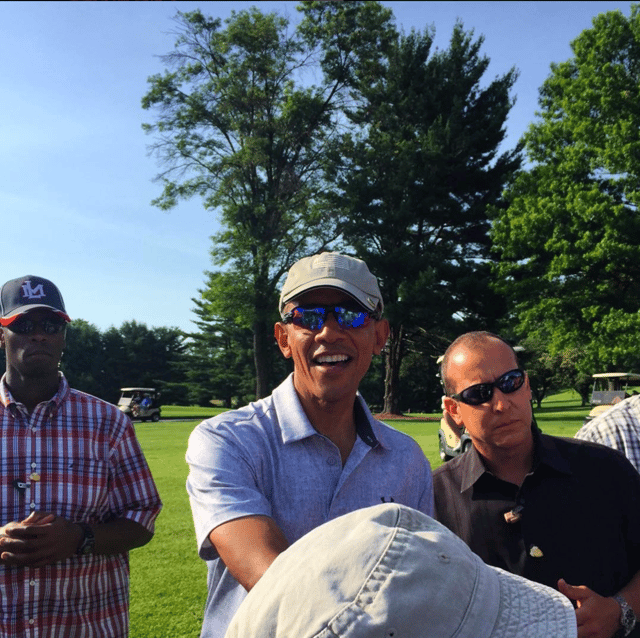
77 457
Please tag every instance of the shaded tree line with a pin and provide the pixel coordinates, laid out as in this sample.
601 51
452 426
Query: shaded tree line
102 362
214 364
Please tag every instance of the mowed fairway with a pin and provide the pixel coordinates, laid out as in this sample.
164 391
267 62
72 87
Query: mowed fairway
168 580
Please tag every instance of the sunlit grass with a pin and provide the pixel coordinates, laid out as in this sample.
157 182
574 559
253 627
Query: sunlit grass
168 580
189 411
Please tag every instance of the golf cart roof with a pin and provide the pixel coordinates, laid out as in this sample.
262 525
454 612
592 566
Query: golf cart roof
137 389
617 375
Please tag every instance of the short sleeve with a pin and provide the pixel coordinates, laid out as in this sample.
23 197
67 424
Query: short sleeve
223 482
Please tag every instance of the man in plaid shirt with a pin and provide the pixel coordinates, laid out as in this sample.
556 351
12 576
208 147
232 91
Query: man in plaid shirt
618 427
76 493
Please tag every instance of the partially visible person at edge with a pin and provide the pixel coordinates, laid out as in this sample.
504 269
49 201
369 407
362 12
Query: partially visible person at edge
264 475
76 492
561 512
617 428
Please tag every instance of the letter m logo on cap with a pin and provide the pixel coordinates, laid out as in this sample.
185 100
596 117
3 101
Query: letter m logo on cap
29 292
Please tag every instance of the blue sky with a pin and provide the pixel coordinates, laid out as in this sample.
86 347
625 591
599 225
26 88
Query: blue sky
76 181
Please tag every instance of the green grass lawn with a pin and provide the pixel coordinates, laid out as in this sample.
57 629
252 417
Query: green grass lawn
168 580
189 412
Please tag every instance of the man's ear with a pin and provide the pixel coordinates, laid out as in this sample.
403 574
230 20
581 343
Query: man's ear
382 334
451 408
282 337
527 386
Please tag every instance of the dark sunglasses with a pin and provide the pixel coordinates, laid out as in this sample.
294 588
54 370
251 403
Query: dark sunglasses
314 318
482 392
25 326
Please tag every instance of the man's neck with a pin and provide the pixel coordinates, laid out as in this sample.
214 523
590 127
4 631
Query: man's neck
31 391
511 465
335 422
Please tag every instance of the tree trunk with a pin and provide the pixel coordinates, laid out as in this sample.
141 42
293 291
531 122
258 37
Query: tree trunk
261 358
394 351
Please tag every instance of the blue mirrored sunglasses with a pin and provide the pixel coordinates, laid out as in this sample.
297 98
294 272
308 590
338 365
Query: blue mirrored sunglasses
483 392
25 326
314 318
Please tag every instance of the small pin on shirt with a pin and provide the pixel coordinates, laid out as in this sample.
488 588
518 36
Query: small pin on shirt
535 552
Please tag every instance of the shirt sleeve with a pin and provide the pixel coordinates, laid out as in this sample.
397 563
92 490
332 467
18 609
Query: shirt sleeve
223 482
601 431
618 428
133 494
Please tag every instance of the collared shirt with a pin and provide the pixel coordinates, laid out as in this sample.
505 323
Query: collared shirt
579 517
77 457
618 428
267 459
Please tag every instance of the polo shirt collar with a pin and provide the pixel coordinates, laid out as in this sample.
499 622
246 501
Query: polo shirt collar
6 398
295 425
545 452
473 469
367 427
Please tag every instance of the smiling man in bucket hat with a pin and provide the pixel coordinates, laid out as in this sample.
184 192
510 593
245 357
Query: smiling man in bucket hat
392 572
263 476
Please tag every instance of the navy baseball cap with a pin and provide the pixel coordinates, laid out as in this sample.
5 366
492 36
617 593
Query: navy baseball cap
28 293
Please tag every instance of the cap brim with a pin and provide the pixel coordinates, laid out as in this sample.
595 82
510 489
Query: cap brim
531 609
368 302
10 318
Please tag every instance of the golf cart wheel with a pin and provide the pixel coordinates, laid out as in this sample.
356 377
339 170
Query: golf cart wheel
155 417
443 451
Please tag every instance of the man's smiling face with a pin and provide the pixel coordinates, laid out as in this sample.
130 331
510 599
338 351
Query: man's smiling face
329 363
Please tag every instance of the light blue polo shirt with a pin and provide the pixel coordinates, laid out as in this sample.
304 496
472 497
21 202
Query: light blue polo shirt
267 459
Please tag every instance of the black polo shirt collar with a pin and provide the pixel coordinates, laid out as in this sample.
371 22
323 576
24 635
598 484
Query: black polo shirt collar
363 426
545 452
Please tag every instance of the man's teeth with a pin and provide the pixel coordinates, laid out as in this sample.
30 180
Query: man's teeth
332 358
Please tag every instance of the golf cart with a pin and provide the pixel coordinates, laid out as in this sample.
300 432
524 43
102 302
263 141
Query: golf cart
452 439
140 403
610 388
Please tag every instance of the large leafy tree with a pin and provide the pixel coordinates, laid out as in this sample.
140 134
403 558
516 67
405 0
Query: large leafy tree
416 179
568 239
236 126
543 368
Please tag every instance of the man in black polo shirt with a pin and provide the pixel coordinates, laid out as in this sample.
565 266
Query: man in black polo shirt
561 512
